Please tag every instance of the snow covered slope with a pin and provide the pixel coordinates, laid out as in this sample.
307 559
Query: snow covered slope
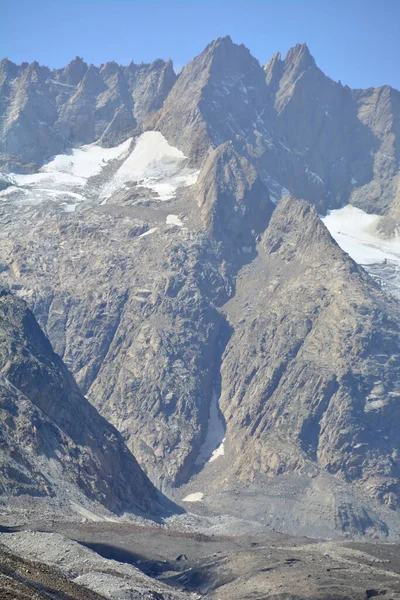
358 234
95 173
154 164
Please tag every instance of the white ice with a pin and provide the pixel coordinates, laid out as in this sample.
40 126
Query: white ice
59 179
75 168
151 162
213 445
356 233
174 220
148 232
154 164
69 207
196 497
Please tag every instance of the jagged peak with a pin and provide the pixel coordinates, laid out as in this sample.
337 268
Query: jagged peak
8 68
75 70
275 58
110 68
274 68
78 60
157 64
6 63
219 41
225 45
223 55
296 231
299 56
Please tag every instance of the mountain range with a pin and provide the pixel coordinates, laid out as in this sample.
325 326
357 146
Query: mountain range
201 292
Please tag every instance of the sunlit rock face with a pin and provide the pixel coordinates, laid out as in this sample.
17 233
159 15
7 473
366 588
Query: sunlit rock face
218 326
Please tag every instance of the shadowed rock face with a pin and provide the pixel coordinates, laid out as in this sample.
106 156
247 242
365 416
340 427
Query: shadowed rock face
234 203
52 438
44 111
322 141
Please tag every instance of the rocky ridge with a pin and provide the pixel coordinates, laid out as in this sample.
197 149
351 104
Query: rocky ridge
44 112
156 300
54 443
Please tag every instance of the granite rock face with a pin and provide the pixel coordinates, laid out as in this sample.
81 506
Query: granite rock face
44 112
322 141
234 203
194 315
310 376
54 443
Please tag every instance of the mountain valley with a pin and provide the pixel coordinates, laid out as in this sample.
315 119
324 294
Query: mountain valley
200 322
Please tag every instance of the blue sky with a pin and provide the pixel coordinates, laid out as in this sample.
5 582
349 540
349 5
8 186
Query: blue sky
356 41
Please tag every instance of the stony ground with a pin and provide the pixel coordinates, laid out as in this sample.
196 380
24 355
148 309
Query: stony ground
110 559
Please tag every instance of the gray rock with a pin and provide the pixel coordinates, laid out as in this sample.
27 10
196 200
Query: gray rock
54 443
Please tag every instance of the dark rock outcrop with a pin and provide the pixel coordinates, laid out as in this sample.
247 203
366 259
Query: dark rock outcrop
53 441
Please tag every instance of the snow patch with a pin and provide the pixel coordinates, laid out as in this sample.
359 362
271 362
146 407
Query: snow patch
87 161
154 164
65 173
75 168
69 207
356 233
196 497
174 220
148 232
213 445
313 175
374 405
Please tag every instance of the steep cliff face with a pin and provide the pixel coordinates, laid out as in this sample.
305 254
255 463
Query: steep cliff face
217 97
54 443
310 376
44 112
304 132
234 203
187 309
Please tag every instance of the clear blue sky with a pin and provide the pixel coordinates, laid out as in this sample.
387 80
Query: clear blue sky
356 41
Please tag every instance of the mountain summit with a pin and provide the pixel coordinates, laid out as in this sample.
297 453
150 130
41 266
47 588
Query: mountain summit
214 258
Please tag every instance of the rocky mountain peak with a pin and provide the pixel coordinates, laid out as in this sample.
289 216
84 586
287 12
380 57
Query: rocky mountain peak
274 69
296 231
299 57
8 68
226 56
110 68
75 71
235 205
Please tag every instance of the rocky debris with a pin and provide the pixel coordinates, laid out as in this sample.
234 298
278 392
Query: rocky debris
86 569
267 565
21 579
52 438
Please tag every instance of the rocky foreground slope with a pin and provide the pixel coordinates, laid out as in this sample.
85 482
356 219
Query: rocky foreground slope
55 447
234 345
